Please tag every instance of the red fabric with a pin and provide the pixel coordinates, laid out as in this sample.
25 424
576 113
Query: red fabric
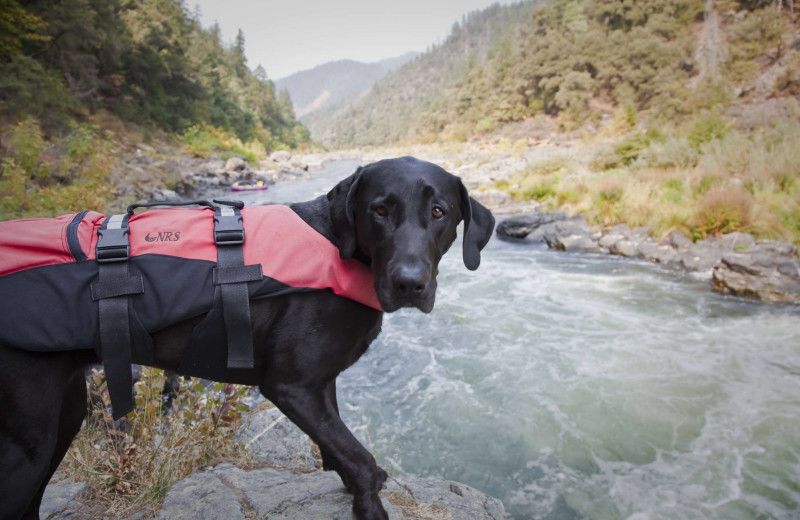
304 258
36 242
287 248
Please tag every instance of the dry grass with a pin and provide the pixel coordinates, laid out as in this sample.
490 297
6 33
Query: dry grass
132 464
718 181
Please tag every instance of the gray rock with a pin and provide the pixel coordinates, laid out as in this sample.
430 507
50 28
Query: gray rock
294 490
678 241
231 492
702 256
275 440
660 252
164 195
459 501
280 156
520 226
201 496
574 235
625 247
767 270
493 199
737 241
236 164
61 500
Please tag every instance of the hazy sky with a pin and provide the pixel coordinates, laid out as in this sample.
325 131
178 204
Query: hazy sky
286 36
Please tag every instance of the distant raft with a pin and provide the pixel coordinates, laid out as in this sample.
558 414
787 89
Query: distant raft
249 186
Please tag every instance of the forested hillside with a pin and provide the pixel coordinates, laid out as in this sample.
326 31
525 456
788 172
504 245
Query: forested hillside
68 67
392 109
577 60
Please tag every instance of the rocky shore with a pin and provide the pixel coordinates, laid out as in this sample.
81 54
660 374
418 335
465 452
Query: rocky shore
283 480
155 176
735 263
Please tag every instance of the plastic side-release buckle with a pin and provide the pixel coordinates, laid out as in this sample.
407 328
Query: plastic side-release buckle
228 226
112 240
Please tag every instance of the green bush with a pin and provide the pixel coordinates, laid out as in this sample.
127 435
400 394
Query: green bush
706 127
35 180
631 147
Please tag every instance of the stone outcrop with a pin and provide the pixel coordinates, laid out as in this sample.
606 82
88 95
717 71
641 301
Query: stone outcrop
766 270
284 481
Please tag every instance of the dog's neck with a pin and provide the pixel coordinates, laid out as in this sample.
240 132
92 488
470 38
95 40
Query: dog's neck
316 213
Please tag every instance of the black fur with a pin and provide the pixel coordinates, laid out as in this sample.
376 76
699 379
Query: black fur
398 216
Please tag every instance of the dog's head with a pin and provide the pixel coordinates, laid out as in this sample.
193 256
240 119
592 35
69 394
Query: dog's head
400 217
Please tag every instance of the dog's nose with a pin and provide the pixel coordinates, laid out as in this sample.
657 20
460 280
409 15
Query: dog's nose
410 280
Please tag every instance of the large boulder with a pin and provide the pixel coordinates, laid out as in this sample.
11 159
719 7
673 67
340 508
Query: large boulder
226 491
768 270
574 235
283 482
521 226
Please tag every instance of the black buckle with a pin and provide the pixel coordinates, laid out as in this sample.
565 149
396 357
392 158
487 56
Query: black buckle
228 228
112 245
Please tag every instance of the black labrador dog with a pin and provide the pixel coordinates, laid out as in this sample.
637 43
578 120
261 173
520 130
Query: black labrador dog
398 216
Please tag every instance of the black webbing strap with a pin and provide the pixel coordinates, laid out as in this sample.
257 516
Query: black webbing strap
231 275
112 289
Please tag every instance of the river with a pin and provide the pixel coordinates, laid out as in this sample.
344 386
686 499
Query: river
579 386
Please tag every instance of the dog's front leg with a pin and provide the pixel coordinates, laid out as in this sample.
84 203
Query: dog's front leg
311 409
327 463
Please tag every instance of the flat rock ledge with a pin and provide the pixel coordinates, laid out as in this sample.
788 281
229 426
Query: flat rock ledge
736 263
285 483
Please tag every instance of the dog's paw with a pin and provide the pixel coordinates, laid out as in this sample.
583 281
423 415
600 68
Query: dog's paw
369 508
382 477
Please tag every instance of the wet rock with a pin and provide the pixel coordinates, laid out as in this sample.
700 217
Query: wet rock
767 270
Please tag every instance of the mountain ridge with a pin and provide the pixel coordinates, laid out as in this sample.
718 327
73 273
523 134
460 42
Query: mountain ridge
335 82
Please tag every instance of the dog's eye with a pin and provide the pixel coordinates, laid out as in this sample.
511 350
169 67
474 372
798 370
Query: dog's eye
381 211
437 212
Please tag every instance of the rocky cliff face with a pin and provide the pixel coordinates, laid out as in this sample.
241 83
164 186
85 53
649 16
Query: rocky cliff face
283 482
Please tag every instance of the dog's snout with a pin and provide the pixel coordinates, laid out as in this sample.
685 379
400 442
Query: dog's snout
410 280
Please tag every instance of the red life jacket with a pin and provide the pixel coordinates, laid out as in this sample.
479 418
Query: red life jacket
47 267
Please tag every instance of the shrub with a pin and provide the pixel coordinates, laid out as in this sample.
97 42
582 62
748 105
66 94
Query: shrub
604 158
707 126
673 191
139 458
630 148
723 209
67 175
674 152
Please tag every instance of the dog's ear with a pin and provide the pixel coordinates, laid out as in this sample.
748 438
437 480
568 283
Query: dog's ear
478 227
341 209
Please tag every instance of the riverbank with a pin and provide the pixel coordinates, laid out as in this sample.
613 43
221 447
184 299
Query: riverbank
735 263
283 478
